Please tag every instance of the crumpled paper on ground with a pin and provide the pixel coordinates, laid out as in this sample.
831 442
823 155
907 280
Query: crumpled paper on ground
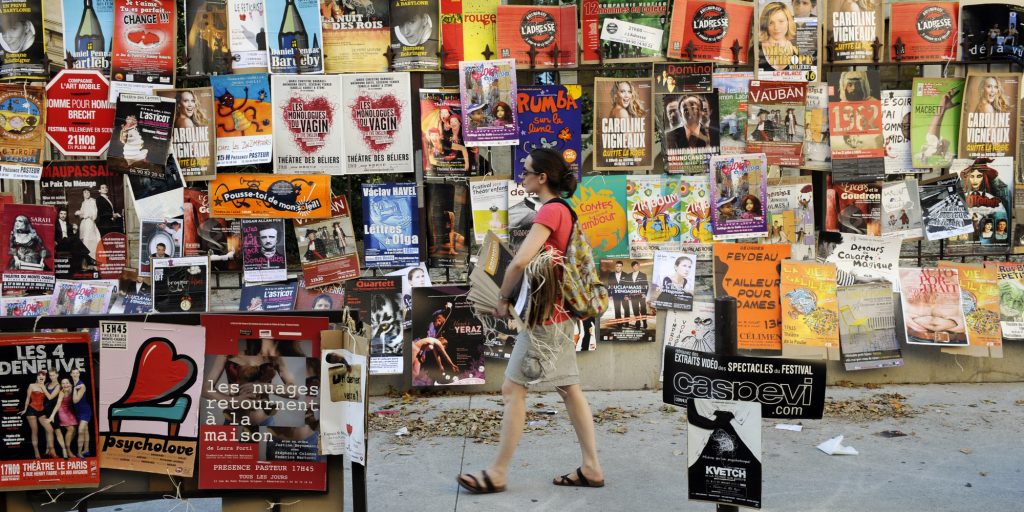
835 446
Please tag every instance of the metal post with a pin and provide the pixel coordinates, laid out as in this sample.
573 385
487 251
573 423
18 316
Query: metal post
725 344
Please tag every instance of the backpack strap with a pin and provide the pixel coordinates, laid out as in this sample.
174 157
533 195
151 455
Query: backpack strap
561 201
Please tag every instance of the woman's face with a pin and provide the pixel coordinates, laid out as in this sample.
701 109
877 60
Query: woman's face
40 377
499 112
86 194
187 103
684 267
417 278
778 26
455 124
434 137
52 375
975 179
624 94
991 89
748 205
76 375
65 385
321 305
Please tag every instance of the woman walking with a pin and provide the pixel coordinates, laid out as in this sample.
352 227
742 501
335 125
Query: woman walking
546 175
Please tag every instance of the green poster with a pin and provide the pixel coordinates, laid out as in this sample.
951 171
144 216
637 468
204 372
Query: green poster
935 121
600 204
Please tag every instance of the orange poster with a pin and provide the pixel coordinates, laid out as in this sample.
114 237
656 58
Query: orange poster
810 307
271 196
979 297
710 28
751 274
927 31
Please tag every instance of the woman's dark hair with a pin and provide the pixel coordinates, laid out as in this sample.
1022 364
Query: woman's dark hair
561 180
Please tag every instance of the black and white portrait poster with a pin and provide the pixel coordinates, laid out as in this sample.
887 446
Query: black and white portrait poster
415 39
21 39
160 238
181 285
380 301
263 256
89 234
723 451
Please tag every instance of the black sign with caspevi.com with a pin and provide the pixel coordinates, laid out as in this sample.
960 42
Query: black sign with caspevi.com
786 388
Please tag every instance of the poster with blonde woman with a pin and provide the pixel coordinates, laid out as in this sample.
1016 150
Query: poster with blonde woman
988 119
853 26
623 124
787 41
193 135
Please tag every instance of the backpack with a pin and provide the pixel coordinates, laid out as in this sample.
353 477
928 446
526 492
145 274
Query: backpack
584 294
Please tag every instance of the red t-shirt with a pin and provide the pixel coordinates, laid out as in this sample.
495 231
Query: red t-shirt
556 217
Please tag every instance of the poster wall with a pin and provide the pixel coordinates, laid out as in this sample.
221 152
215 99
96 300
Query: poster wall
260 414
42 374
150 396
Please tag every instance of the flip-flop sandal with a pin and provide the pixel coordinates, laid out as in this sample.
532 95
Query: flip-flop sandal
581 480
475 487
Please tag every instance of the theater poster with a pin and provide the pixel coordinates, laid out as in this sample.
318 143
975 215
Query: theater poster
193 134
391 225
247 36
27 247
853 28
488 92
207 39
447 339
270 196
243 115
142 137
415 40
89 233
260 404
855 121
22 131
441 122
377 122
723 451
549 117
150 396
775 121
752 273
600 204
143 47
356 36
623 124
628 318
307 114
327 247
987 184
536 28
31 365
293 36
896 131
817 149
927 30
93 23
733 94
690 130
787 41
448 221
653 205
990 30
673 77
988 115
22 40
466 28
711 28
935 120
739 196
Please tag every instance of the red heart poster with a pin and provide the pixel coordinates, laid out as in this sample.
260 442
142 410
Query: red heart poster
149 401
378 108
308 134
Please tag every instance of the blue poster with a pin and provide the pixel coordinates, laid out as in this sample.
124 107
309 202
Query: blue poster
88 26
549 117
294 35
390 225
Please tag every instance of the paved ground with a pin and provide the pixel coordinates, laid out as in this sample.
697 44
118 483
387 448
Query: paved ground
963 450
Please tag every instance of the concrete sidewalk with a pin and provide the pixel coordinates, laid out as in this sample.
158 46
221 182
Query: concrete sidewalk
963 451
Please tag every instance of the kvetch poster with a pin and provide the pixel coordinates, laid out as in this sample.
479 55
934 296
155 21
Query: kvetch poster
377 117
260 404
50 395
150 396
447 339
723 447
391 224
307 114
89 232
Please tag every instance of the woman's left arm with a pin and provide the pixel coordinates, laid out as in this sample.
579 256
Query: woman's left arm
532 245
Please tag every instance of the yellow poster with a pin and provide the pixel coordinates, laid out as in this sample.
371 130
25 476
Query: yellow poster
810 308
979 296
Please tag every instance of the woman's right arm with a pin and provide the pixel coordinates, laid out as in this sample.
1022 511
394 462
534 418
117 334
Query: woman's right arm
28 397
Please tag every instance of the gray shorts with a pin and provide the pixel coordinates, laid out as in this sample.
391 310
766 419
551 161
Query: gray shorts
564 372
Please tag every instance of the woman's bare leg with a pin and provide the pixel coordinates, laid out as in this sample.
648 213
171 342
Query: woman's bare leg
83 437
583 422
33 425
512 420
